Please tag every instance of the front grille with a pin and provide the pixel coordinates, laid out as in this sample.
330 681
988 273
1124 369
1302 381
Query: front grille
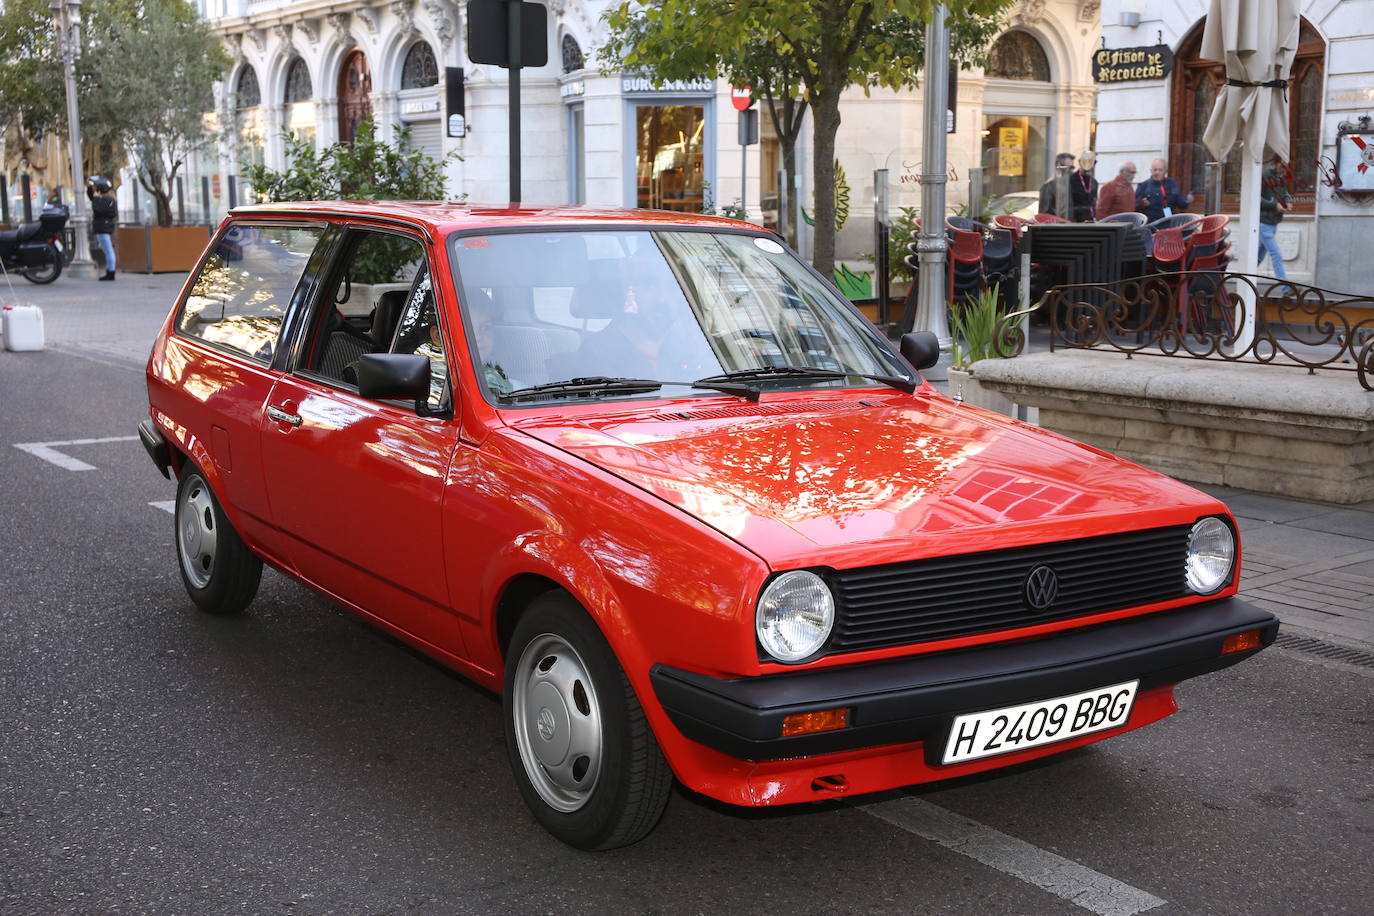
946 597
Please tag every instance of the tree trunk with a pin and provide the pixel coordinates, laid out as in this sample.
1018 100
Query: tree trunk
164 207
825 125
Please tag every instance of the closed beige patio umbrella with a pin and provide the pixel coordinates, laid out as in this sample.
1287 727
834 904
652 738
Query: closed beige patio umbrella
1256 40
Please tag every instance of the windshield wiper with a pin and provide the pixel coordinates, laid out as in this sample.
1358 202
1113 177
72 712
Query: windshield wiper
597 383
764 372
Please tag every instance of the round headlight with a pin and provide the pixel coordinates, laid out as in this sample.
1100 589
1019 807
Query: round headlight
796 612
1211 555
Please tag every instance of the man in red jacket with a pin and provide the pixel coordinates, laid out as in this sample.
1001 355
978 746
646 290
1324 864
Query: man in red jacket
1118 195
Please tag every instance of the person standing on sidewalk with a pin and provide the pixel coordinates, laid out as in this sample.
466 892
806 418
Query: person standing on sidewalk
1118 195
104 212
1083 189
1274 202
1159 196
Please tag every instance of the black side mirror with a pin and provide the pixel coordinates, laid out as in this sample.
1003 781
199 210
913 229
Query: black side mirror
395 376
921 349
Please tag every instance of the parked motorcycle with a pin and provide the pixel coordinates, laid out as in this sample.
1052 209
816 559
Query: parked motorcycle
35 249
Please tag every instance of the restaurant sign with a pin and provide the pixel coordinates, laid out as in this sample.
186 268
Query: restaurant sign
1124 64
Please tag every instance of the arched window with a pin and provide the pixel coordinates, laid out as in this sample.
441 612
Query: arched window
1196 82
420 69
572 55
298 88
246 92
1017 55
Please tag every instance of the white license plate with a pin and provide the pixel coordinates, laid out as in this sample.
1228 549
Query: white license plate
1015 728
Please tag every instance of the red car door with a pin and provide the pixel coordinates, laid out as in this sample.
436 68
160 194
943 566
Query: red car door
356 485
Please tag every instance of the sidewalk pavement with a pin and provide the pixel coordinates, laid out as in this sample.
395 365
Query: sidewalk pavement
1310 563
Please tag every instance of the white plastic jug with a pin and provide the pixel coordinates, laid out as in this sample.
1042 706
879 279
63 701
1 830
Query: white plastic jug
22 326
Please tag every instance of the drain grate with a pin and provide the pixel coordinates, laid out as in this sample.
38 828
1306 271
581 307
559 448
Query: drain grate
1325 650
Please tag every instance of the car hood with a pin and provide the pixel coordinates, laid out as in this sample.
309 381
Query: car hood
848 481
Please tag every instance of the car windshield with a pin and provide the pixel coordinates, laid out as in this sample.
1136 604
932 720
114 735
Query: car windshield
593 309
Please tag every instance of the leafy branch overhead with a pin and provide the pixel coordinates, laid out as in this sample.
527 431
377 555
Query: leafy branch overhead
810 50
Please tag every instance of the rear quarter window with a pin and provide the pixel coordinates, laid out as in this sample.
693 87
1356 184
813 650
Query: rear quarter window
241 294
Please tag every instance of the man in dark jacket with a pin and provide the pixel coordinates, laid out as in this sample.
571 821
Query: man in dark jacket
104 212
1159 196
1048 195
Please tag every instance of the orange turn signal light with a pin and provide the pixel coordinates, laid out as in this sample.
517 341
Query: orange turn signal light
807 723
1250 639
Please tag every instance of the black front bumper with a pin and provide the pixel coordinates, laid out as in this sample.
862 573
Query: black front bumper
914 699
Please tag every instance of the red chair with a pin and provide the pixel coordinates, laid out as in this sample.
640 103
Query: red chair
1169 250
1015 224
1050 218
965 259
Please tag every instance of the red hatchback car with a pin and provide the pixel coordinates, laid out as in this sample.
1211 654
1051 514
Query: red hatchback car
655 481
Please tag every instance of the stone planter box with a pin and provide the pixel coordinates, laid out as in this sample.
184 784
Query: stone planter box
969 388
159 249
1262 428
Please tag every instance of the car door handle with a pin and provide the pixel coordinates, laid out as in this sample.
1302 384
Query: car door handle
281 416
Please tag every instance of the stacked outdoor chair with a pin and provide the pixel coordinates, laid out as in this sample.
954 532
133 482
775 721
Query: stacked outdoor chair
1134 217
1136 247
1184 222
965 262
999 262
1050 218
1015 224
1209 251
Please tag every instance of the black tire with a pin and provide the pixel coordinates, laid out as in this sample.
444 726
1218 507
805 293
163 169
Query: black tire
566 693
219 571
46 273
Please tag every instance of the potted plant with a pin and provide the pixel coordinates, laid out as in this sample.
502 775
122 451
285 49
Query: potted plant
973 330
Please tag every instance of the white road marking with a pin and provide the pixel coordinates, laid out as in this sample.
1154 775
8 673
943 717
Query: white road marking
1062 877
166 505
48 451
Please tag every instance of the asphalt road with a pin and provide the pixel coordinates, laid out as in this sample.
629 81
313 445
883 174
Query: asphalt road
157 760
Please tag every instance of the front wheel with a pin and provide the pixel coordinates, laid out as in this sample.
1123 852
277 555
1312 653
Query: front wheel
46 273
584 757
219 571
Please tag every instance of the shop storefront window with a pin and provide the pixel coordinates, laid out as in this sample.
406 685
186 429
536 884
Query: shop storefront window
670 156
1015 153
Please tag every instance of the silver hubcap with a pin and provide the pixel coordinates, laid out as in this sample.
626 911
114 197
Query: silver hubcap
557 722
196 533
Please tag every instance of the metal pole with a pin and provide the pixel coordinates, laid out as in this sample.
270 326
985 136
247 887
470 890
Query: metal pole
513 31
930 243
67 18
181 202
880 236
743 173
204 197
233 192
25 190
4 200
1212 184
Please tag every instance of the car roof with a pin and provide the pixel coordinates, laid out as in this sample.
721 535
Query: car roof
443 217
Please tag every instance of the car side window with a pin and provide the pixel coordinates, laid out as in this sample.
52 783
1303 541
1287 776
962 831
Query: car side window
242 292
362 302
419 331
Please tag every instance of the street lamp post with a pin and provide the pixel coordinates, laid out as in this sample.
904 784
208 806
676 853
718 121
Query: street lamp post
66 16
930 242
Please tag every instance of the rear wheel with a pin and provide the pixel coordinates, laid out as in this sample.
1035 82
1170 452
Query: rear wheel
584 757
46 273
219 571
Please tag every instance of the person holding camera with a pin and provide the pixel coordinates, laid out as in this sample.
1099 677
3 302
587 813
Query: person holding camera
104 212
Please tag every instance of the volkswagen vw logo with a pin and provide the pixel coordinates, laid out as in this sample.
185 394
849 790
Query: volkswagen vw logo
1042 587
546 724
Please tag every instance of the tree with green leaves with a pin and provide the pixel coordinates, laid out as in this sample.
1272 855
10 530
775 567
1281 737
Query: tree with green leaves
822 46
31 89
366 169
153 65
